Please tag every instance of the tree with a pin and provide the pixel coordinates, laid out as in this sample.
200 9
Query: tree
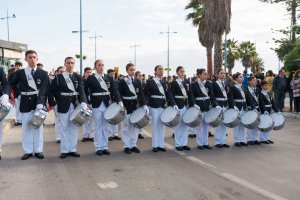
233 53
257 63
292 60
247 52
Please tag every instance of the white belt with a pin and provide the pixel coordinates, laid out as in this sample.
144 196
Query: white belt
202 98
268 106
130 98
221 99
100 93
181 97
240 100
29 93
158 96
69 93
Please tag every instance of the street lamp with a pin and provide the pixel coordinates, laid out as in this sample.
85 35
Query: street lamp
168 33
81 31
7 22
95 37
135 46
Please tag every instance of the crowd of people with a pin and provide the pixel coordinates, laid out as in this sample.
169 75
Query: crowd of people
32 89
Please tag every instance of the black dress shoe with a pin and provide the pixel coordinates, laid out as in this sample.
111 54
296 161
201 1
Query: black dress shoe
39 155
135 150
162 149
187 148
99 152
192 135
243 144
84 139
265 142
225 145
0 157
57 141
270 141
219 146
179 148
155 150
250 143
63 155
200 147
127 150
91 139
207 147
116 138
237 144
106 152
18 123
110 138
26 156
74 154
173 135
257 142
210 134
141 136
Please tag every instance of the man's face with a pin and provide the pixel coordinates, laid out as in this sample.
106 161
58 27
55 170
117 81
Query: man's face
100 67
139 76
130 71
159 71
112 74
69 64
283 73
31 59
88 73
18 67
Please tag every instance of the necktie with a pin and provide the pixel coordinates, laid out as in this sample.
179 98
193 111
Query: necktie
32 72
132 80
223 84
71 77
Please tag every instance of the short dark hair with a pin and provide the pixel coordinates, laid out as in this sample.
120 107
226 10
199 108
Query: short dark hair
156 67
236 75
110 71
137 72
87 69
219 70
200 71
263 83
39 65
129 65
245 71
251 78
69 57
18 63
179 68
30 52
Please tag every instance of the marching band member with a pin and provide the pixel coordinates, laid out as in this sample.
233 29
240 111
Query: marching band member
203 97
182 97
239 99
252 134
65 91
220 90
33 84
100 89
88 127
132 95
158 96
266 104
138 76
4 99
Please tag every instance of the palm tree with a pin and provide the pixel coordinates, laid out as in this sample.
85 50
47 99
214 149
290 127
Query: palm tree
247 52
205 36
233 53
257 63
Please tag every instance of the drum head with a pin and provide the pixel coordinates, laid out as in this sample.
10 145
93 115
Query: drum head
191 114
111 111
75 112
137 115
168 114
249 117
266 121
212 115
278 119
230 115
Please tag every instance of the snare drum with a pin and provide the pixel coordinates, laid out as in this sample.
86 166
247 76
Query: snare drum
192 117
4 110
170 117
214 117
139 118
250 119
80 116
278 120
266 123
232 118
38 118
114 114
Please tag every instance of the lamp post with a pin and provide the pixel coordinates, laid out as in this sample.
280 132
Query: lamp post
135 46
81 31
95 37
225 52
7 22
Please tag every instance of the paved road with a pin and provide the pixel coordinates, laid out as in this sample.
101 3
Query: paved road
256 172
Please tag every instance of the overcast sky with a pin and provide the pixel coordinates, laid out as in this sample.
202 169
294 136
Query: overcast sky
46 27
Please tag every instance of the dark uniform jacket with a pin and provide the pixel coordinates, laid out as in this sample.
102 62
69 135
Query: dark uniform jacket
4 89
176 91
16 90
197 93
254 95
124 91
219 94
151 88
92 85
59 86
266 102
29 102
235 94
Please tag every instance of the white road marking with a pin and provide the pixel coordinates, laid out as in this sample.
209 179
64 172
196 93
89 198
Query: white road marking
108 185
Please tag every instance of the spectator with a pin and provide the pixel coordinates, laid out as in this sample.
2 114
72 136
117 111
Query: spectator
279 87
246 76
290 90
295 85
269 78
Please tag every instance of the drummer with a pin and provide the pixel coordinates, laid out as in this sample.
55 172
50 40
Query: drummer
266 104
133 97
32 82
252 134
204 98
239 99
158 96
65 91
220 90
182 96
100 88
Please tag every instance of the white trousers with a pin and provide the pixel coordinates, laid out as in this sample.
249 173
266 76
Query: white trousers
220 134
69 133
18 113
129 133
32 138
157 128
113 129
88 129
252 134
264 136
101 128
202 132
1 135
58 126
238 131
181 131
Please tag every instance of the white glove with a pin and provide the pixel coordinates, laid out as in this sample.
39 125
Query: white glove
4 99
39 106
121 104
146 109
255 110
84 106
176 107
236 108
266 113
196 106
218 107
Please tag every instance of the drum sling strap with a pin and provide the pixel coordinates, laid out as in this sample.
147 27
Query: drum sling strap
222 88
131 88
203 89
160 87
30 79
183 90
